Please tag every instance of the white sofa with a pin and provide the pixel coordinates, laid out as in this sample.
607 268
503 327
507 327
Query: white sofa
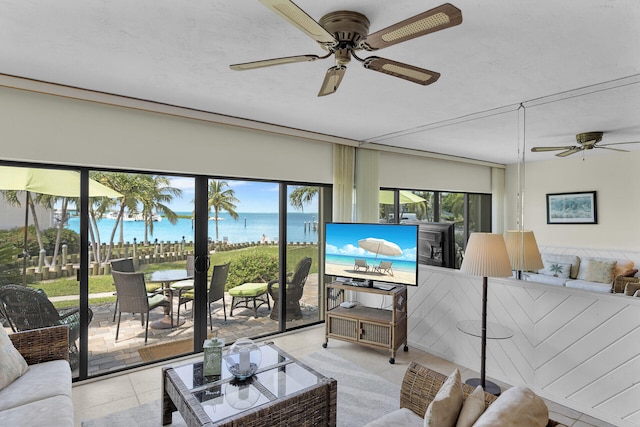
42 395
588 273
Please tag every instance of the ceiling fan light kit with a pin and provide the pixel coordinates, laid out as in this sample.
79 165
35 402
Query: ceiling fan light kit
343 33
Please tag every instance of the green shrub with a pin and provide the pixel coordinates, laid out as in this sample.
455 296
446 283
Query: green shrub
15 237
10 271
252 267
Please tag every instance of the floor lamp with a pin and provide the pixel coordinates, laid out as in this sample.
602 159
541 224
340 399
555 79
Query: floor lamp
523 251
485 256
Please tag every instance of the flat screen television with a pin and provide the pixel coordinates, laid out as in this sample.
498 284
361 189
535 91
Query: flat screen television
370 253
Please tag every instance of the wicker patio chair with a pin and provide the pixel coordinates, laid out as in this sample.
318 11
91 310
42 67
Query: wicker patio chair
132 293
26 309
215 293
294 289
123 264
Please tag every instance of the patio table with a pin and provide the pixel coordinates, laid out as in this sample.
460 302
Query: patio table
166 278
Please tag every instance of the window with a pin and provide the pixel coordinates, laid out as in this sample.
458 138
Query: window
467 211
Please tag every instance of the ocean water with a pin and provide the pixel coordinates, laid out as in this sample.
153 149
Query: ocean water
250 227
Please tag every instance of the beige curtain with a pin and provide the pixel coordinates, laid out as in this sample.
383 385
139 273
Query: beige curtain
367 185
343 177
497 200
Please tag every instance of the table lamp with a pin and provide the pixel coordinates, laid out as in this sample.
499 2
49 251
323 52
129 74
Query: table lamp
523 251
485 256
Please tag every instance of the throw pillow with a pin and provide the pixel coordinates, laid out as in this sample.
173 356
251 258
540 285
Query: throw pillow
600 271
517 406
472 408
444 408
622 268
557 269
631 288
13 364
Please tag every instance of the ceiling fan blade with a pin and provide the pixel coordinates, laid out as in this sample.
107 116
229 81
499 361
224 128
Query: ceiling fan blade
542 149
275 61
332 80
436 19
404 71
299 18
613 149
618 143
573 150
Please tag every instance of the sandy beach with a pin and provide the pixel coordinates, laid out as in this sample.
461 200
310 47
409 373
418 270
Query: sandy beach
398 276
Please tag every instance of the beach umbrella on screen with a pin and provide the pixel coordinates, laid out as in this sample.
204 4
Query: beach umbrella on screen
380 246
53 182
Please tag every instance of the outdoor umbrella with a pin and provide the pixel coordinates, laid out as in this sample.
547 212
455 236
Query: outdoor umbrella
386 197
380 246
54 182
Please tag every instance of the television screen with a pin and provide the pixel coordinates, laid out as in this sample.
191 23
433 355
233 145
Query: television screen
372 252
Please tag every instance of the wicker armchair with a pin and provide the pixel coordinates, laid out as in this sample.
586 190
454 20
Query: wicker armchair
26 309
294 288
42 345
133 297
420 386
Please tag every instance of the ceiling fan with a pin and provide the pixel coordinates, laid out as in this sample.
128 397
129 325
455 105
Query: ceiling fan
343 33
586 141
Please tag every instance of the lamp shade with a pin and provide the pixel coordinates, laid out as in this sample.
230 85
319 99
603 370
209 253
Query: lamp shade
523 250
486 256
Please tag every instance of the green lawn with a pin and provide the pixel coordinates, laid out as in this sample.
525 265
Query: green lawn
102 284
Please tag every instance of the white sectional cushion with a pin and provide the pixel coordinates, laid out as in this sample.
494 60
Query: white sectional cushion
588 286
41 381
53 411
517 406
444 408
399 417
543 278
12 364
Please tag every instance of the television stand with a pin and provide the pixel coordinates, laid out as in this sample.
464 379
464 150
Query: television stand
368 326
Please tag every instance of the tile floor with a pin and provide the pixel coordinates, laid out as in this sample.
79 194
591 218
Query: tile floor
99 397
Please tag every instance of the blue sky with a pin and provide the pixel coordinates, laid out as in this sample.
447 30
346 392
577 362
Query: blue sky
343 239
254 196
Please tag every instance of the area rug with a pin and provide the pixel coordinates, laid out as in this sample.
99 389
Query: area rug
362 397
165 350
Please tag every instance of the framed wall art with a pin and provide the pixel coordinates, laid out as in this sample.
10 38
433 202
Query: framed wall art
572 208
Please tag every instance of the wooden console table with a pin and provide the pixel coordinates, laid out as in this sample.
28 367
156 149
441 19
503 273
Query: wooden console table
368 326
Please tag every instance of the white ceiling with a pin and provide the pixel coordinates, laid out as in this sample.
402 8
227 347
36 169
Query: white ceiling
574 65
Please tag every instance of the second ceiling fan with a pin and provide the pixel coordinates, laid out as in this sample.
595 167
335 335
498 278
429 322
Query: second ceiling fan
343 33
586 141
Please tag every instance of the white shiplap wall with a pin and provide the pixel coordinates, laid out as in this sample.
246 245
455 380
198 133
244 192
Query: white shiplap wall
580 349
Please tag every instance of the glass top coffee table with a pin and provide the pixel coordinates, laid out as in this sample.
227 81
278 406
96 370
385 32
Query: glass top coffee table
284 391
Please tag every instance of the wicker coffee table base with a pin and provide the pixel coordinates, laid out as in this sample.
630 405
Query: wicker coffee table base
314 406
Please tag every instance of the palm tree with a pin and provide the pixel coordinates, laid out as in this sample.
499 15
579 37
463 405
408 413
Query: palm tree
155 196
130 186
33 199
221 198
302 195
